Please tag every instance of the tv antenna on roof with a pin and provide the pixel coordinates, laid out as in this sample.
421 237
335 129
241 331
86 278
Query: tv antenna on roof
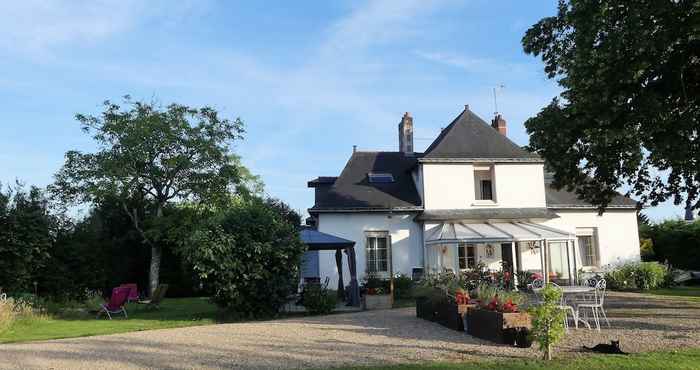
495 99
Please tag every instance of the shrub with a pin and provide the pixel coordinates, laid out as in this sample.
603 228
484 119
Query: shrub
676 242
248 256
403 286
375 285
548 321
646 249
638 275
318 300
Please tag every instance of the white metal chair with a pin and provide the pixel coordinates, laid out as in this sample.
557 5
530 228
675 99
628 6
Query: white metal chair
536 286
596 306
567 309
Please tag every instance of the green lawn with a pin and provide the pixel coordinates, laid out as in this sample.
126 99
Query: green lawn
685 292
174 312
684 359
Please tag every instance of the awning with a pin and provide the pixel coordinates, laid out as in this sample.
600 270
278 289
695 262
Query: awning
317 240
456 232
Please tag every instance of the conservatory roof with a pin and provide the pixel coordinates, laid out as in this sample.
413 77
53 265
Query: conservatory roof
455 232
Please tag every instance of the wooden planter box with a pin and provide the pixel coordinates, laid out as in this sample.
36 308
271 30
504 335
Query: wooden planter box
377 302
441 311
497 326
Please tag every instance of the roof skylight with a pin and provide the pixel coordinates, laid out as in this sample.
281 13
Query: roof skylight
380 178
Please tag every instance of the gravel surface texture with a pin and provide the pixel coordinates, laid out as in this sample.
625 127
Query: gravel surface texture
364 338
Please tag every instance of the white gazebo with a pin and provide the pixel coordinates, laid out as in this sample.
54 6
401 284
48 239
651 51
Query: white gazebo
442 241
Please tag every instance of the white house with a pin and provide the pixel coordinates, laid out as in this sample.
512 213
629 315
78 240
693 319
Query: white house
472 196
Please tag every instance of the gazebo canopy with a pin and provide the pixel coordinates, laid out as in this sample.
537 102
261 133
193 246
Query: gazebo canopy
455 232
317 240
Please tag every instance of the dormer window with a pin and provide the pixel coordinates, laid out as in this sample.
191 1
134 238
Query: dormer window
380 178
484 183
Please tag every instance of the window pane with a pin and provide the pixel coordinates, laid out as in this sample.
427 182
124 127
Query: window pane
588 250
382 254
486 193
461 251
371 254
381 243
383 266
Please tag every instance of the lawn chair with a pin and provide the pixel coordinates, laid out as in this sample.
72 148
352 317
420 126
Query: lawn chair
133 292
536 287
567 310
116 303
596 306
157 296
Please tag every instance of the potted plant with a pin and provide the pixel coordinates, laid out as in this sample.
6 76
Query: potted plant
443 299
376 293
498 317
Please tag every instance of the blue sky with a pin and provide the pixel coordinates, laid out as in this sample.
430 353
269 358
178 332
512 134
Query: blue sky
309 79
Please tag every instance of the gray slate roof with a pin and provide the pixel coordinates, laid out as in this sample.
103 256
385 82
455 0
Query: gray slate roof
352 189
485 213
468 136
568 199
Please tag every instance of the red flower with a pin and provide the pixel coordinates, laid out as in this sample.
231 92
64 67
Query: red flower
493 306
509 306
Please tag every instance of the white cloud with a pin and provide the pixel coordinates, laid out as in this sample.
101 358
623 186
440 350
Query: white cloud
36 27
471 64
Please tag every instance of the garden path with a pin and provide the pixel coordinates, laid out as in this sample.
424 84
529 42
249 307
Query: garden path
364 338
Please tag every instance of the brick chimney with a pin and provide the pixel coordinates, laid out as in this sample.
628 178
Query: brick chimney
499 124
406 133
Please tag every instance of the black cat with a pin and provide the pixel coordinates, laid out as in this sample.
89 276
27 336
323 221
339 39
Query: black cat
613 348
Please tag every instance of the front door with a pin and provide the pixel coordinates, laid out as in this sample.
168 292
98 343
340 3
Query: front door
507 256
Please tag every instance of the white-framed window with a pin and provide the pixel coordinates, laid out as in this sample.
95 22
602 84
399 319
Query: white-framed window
378 251
484 189
466 254
588 247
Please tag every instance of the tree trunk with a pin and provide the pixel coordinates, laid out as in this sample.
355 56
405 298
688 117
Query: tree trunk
548 353
154 273
156 253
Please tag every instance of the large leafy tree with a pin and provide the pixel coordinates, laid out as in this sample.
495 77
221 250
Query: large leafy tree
248 254
151 156
629 111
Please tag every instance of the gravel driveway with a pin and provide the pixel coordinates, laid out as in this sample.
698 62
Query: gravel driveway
364 338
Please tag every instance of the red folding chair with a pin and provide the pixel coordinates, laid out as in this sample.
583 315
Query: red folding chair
116 303
133 293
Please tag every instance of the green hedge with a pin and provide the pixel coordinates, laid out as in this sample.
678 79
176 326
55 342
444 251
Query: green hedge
676 241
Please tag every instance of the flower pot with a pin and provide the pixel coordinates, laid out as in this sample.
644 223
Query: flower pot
377 302
495 326
441 310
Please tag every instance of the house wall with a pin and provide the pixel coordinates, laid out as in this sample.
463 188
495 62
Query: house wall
451 186
406 240
617 232
448 186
